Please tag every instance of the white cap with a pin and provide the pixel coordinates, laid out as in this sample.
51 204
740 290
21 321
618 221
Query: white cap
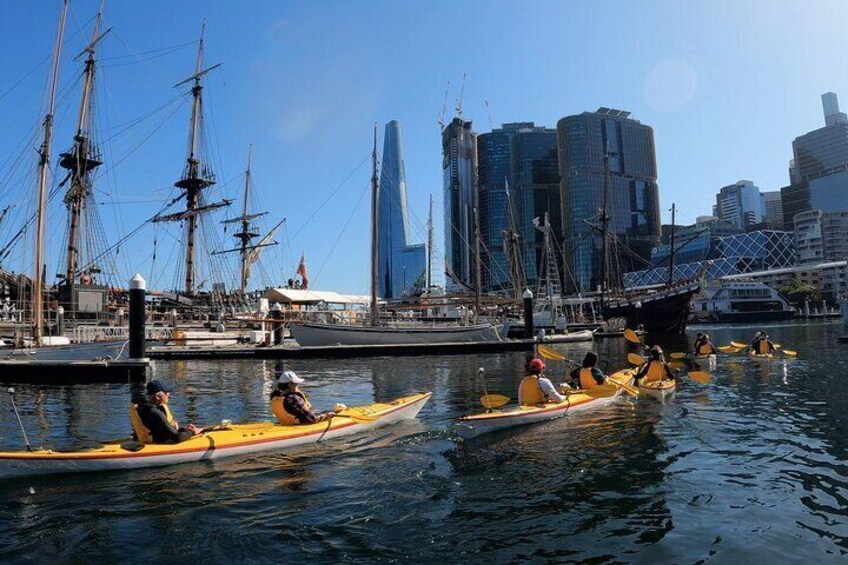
276 306
290 377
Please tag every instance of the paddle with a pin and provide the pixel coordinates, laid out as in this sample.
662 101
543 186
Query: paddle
789 352
739 345
699 377
493 400
635 359
11 391
603 391
728 349
678 355
631 336
553 354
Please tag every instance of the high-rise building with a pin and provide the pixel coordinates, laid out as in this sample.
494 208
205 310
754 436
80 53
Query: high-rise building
821 237
819 170
585 142
459 168
401 266
740 204
774 209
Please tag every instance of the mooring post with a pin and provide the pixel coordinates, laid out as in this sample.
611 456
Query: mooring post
60 321
528 313
138 292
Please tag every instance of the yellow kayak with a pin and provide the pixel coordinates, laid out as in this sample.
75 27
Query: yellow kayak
478 424
233 440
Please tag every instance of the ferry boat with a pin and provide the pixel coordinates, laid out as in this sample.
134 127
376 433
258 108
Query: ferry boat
740 301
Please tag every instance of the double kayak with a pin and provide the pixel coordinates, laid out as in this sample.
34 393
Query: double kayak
230 441
658 390
576 401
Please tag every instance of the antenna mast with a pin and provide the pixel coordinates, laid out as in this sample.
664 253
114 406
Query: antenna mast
375 233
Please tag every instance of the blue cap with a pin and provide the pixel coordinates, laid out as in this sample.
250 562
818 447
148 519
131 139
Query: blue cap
155 386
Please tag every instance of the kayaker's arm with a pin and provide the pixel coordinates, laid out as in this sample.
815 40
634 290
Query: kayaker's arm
296 406
549 391
163 432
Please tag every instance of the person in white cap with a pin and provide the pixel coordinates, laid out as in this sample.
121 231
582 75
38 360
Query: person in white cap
277 326
290 405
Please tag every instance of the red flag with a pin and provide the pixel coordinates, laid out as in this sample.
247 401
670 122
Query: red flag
301 270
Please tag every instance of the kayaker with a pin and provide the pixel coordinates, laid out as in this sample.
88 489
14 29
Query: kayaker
290 405
536 388
761 345
656 369
588 375
703 346
152 419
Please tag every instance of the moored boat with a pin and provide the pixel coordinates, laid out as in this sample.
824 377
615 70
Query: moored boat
568 337
478 424
318 335
232 440
659 390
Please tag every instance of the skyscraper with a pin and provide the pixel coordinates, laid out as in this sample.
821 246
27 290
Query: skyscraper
401 265
459 168
584 142
741 204
518 182
819 171
774 209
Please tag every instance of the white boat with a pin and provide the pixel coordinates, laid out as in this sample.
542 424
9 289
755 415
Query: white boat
234 440
321 335
659 390
568 337
739 301
478 424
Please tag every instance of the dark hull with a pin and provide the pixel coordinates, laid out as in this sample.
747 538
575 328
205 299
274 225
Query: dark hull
659 311
745 317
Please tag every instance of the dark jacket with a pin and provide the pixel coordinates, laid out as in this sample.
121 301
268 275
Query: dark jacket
154 419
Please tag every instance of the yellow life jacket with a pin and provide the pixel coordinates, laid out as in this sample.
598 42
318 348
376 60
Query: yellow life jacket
656 372
282 415
762 347
705 348
586 378
530 392
142 432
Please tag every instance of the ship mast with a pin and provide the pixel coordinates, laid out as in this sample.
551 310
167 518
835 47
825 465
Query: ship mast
430 239
671 255
43 170
605 230
245 235
82 159
197 175
375 201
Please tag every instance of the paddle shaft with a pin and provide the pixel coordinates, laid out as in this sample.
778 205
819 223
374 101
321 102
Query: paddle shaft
18 416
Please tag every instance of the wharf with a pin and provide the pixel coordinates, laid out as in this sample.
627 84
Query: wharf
34 371
339 351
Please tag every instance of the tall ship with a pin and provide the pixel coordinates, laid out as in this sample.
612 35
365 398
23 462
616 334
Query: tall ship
320 334
740 301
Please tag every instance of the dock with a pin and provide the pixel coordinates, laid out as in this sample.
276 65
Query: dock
33 371
339 351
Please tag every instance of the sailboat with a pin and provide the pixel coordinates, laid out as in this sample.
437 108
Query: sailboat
318 334
657 310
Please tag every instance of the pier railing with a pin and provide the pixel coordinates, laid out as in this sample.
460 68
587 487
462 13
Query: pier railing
92 334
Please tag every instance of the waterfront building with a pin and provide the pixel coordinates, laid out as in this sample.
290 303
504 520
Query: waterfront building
830 278
699 253
401 265
819 170
741 204
459 168
821 237
586 142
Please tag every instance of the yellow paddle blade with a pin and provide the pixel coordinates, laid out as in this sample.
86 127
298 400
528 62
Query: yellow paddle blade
631 336
635 359
676 364
633 391
790 352
602 391
777 345
493 400
737 344
678 355
728 349
550 353
699 377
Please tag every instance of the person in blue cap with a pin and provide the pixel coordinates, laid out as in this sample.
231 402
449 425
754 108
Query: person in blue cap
152 419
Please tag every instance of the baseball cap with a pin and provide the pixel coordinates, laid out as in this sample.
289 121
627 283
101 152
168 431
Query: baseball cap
290 377
155 386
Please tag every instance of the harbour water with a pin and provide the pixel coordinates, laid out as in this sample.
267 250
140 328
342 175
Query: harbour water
752 467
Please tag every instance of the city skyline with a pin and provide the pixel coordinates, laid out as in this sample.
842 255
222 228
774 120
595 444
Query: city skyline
291 75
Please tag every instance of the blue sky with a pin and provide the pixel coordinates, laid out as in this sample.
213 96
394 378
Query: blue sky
725 85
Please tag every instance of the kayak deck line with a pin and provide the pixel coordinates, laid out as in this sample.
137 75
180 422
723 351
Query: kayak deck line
212 444
523 411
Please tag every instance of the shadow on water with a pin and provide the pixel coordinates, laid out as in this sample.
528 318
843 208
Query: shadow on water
750 467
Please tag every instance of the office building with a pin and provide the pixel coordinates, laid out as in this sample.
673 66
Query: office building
589 144
459 168
819 169
774 210
401 266
741 204
821 237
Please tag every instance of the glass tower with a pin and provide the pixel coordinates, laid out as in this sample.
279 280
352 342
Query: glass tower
459 168
741 204
585 142
401 265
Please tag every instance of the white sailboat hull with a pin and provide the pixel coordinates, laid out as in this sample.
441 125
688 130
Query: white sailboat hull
321 335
